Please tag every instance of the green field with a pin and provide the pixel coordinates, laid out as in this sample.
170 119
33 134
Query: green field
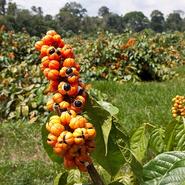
23 160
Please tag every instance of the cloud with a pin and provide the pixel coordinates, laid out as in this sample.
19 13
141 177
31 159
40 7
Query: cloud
117 6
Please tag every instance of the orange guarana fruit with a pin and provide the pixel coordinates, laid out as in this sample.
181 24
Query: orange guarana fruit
43 51
64 105
67 89
48 40
90 130
53 74
56 129
66 117
72 79
66 137
38 45
69 62
58 98
77 122
54 117
51 32
50 104
80 134
54 64
52 139
46 71
67 51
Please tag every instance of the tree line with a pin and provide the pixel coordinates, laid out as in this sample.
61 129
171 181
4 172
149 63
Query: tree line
72 18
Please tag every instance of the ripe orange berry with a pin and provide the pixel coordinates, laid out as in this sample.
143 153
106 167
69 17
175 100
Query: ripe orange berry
64 105
66 137
90 130
43 51
56 129
45 61
69 62
67 71
53 74
66 117
50 104
60 148
58 98
80 134
72 79
67 51
52 139
38 45
47 40
67 89
55 118
77 122
51 32
54 64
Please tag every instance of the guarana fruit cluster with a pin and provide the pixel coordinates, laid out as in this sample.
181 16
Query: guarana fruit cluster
178 108
70 133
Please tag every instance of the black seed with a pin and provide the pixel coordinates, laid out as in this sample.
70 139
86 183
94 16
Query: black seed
51 51
78 103
49 139
58 52
68 71
67 87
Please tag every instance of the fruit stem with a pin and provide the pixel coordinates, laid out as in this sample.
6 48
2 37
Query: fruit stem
57 109
95 177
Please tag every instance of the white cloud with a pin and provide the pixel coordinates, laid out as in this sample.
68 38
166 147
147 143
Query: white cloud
117 6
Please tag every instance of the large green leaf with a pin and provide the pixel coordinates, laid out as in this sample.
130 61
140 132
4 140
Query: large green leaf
166 168
139 142
61 179
48 148
111 158
156 141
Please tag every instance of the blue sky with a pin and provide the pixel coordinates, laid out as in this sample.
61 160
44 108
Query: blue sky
117 6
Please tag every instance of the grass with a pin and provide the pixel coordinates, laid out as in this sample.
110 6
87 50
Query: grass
22 157
142 102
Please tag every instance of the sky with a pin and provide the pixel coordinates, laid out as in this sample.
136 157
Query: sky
120 7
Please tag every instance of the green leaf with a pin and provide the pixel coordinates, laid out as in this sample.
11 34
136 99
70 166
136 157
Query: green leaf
110 159
156 141
48 148
109 107
139 142
166 168
61 179
74 176
106 128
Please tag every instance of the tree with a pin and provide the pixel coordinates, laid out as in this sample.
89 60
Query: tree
174 22
113 22
157 21
12 9
70 17
103 11
136 21
2 7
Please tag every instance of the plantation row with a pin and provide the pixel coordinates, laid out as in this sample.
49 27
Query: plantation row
126 57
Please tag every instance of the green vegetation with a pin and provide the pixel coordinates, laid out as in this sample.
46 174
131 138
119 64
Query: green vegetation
23 159
139 73
72 19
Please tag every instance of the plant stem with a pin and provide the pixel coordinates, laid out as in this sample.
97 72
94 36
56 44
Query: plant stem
95 177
